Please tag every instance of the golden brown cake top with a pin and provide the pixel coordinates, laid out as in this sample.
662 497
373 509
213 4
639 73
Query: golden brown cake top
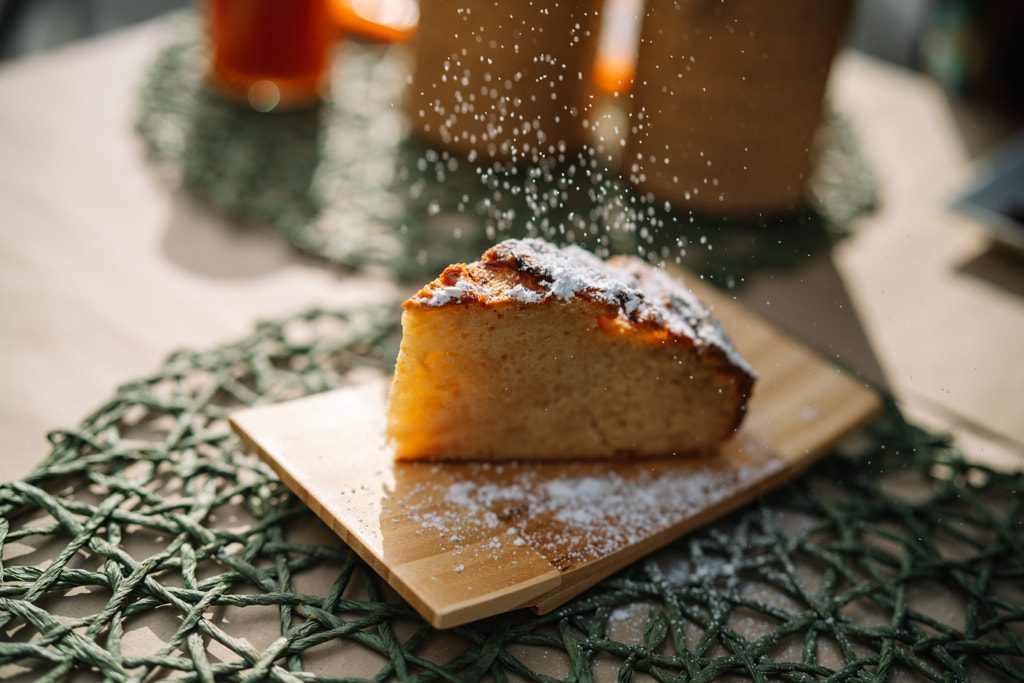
533 271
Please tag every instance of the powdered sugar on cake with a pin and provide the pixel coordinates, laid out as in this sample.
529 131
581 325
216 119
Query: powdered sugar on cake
643 294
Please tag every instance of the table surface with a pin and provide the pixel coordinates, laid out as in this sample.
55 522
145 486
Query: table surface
105 267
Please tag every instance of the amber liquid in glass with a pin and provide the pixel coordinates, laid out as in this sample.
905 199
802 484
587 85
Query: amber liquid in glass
272 53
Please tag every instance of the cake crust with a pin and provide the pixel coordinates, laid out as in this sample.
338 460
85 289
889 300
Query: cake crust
545 352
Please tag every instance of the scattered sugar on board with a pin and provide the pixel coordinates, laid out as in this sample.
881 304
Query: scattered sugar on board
627 622
573 519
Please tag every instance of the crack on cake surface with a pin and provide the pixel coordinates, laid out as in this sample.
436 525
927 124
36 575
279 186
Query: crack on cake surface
641 294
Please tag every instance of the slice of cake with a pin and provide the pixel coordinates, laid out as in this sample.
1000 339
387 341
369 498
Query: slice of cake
540 352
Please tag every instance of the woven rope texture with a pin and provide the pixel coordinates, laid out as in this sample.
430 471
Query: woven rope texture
150 544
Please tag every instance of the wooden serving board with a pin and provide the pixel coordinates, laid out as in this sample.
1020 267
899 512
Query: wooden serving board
463 541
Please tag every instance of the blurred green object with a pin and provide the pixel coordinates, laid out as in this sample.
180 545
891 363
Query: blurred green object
976 48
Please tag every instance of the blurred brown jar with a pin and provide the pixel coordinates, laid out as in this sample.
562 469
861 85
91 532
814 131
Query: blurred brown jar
500 80
727 100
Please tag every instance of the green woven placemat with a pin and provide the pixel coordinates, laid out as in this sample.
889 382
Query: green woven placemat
149 543
346 183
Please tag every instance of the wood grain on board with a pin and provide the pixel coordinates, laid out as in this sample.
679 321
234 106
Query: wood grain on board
463 541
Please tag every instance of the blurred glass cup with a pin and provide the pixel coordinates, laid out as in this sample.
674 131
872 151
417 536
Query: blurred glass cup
272 54
727 100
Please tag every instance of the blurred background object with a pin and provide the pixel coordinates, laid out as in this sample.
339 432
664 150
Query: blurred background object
728 100
503 81
974 47
384 20
270 53
890 29
615 64
30 26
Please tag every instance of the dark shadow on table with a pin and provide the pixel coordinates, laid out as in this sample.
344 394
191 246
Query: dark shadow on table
1000 266
244 177
202 241
982 126
812 304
